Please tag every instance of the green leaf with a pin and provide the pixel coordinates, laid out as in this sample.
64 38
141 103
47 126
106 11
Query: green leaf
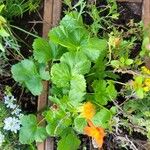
100 92
60 75
43 73
50 128
57 50
28 120
79 124
139 80
104 91
2 48
129 62
115 63
27 131
77 89
57 121
26 135
140 93
96 47
1 7
26 73
56 128
40 134
72 21
69 142
122 60
102 118
77 61
2 20
42 50
30 132
113 110
3 32
112 75
71 39
112 93
70 33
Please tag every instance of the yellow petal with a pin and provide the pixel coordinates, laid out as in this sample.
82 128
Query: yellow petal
88 110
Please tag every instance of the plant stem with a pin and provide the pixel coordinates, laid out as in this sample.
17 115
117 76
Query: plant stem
40 121
119 82
24 31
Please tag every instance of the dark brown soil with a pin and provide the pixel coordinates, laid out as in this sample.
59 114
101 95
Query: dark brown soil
128 11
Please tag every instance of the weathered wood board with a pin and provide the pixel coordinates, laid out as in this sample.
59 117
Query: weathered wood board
51 17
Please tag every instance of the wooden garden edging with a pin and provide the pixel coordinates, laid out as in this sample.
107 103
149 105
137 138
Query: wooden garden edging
51 17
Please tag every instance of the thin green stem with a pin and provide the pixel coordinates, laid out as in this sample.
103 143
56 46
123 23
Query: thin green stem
24 31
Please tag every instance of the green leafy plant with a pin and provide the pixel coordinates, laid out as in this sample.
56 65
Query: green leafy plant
84 70
9 44
5 34
14 8
75 51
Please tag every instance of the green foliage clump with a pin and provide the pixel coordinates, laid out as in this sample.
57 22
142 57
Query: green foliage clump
85 68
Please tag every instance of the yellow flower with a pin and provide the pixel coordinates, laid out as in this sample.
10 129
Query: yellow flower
88 110
146 85
147 82
97 133
145 70
146 89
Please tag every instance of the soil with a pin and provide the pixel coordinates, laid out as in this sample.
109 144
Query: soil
128 11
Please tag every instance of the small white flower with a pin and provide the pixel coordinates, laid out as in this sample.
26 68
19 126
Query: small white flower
9 101
2 137
12 124
16 111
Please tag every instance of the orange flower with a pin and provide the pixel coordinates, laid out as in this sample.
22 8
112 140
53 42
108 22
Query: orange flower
97 133
88 110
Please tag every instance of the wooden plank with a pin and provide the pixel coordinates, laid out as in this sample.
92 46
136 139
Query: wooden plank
57 4
146 20
132 1
47 16
146 12
51 17
56 12
47 24
49 144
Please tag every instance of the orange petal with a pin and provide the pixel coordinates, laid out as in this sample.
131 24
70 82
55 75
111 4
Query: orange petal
99 141
97 133
99 138
88 131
